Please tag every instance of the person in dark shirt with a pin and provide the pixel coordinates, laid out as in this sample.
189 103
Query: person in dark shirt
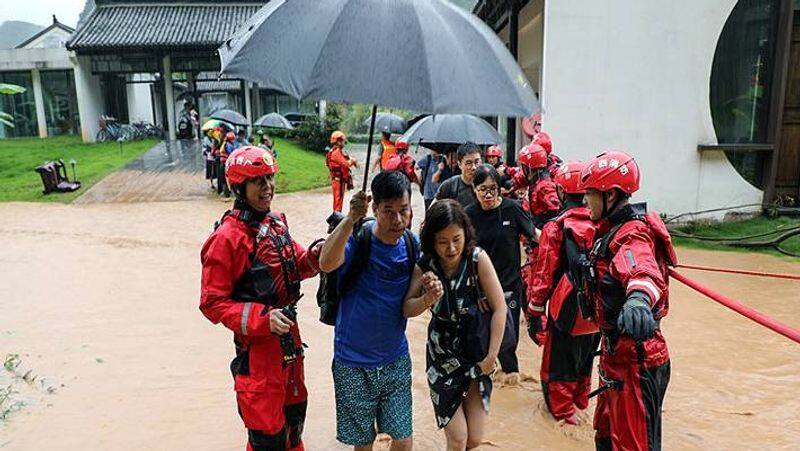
499 222
460 188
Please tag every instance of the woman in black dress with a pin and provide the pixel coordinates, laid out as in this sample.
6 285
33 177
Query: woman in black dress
457 282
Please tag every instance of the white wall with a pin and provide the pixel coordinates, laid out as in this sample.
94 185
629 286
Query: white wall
634 75
140 104
52 39
27 59
90 102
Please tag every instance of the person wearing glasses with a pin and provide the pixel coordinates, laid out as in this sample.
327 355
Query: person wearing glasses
499 223
460 188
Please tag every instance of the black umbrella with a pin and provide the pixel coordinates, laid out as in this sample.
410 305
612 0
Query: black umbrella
231 117
452 129
274 120
447 60
388 123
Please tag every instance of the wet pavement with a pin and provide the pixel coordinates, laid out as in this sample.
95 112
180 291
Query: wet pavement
171 156
171 170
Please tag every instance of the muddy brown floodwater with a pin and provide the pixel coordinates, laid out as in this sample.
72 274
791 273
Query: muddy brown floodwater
100 300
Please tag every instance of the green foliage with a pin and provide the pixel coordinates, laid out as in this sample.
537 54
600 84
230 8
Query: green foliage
8 89
20 156
736 229
314 134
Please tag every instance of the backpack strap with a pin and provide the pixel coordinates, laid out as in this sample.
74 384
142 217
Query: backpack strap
473 272
411 250
363 243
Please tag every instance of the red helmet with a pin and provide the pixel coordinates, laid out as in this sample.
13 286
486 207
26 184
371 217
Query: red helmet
400 145
532 124
230 136
533 156
337 135
543 139
611 170
248 162
494 151
568 177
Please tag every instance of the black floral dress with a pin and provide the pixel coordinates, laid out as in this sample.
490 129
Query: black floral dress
450 368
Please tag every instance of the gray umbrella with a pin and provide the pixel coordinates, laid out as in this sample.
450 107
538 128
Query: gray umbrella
274 120
388 122
444 59
452 129
231 117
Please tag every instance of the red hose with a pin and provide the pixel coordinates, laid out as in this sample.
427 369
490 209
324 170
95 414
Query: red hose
741 271
769 323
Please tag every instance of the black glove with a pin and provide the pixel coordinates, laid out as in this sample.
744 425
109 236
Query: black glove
636 318
537 325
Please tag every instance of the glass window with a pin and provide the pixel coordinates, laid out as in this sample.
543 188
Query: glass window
741 77
60 103
21 106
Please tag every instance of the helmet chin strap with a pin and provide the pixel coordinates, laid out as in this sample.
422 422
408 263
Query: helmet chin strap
606 210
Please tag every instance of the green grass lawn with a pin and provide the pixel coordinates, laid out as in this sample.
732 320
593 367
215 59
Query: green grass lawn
299 169
736 229
20 156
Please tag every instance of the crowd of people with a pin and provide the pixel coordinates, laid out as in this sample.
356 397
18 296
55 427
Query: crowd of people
555 244
219 142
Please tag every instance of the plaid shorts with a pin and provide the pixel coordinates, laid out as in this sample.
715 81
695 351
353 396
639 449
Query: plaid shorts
373 400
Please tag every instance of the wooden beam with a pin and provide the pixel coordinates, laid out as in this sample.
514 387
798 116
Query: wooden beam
742 148
778 94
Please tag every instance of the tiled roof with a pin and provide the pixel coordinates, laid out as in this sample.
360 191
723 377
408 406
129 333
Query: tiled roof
147 26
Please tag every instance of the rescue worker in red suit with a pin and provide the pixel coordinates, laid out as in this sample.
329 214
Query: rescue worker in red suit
631 292
553 161
251 276
494 157
403 162
339 164
541 198
567 331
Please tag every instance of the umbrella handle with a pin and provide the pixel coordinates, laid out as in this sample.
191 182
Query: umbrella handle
369 146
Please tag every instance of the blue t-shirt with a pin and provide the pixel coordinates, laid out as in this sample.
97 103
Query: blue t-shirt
428 166
370 326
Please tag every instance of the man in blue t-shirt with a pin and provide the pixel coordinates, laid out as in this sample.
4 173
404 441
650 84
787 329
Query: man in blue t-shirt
371 365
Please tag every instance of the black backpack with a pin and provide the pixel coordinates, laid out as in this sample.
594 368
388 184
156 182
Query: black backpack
331 289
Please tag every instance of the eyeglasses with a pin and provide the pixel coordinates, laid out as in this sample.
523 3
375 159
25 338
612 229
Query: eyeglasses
472 163
484 190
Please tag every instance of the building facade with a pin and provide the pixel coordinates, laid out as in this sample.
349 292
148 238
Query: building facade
706 94
42 66
141 60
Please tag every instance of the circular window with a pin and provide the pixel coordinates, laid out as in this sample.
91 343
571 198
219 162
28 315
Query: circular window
741 77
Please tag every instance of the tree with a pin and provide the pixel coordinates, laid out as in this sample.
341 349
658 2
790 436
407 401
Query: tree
8 89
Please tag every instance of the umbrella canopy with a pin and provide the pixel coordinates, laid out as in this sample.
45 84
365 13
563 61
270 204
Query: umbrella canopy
211 123
274 120
451 129
388 122
447 60
230 116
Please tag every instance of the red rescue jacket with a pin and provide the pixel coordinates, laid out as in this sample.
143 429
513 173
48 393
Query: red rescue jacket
564 247
250 267
633 254
542 201
404 163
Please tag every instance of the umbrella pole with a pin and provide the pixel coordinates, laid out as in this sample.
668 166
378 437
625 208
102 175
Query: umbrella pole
369 146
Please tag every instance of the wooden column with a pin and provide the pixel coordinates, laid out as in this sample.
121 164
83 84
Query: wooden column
513 40
778 96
